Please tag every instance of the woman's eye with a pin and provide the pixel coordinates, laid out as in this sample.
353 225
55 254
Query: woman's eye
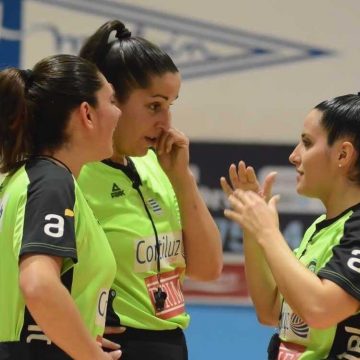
154 107
306 143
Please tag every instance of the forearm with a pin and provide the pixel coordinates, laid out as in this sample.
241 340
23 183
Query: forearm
261 284
300 287
202 241
52 307
55 312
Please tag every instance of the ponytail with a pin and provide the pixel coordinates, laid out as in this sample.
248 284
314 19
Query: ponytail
99 44
14 121
36 105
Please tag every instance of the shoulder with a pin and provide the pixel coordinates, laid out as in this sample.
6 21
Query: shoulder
46 177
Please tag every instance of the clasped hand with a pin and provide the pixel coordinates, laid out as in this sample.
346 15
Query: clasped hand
252 206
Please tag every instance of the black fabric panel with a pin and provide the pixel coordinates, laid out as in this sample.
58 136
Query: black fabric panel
344 266
47 228
348 328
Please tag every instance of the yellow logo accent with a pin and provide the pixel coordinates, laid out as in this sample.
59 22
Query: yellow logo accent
69 212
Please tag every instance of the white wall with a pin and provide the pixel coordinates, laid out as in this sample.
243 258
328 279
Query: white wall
260 104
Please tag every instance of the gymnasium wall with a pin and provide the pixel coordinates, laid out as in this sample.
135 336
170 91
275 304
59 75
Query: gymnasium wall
251 71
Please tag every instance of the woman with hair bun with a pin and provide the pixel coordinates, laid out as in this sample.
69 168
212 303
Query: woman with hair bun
147 200
56 265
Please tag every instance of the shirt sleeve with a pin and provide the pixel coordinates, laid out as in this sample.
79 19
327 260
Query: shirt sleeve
344 266
49 224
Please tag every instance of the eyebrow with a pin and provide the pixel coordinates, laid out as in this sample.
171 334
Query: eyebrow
163 96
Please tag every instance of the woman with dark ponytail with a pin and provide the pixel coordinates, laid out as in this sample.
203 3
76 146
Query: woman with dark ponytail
147 200
56 265
312 294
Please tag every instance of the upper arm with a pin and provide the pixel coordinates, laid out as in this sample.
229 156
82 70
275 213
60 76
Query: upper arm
338 305
37 273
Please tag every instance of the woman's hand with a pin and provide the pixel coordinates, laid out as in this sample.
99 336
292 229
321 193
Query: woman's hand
173 153
244 178
115 352
253 214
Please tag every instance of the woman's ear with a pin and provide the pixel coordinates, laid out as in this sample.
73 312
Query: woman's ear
86 115
346 154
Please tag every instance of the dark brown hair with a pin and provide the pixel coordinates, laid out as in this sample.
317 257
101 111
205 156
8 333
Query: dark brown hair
128 62
35 105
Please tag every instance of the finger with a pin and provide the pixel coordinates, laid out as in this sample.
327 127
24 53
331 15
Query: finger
170 141
179 136
239 194
235 203
114 330
227 189
268 185
115 354
108 344
250 175
233 175
233 215
273 202
160 148
242 172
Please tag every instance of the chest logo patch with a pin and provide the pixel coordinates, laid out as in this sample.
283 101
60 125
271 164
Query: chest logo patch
116 191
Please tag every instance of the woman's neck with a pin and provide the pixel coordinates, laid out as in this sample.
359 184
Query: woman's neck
339 201
119 159
66 160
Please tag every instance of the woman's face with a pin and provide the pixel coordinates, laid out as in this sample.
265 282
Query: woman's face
314 159
145 116
107 115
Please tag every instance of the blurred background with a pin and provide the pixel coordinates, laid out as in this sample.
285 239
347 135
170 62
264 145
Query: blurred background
252 69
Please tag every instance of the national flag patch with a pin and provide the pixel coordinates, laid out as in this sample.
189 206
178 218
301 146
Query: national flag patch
155 206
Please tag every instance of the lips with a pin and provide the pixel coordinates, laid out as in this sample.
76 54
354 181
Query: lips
151 140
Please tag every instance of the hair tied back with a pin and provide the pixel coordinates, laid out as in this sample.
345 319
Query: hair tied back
28 77
123 33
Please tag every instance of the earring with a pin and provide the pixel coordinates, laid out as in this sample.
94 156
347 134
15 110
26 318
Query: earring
340 165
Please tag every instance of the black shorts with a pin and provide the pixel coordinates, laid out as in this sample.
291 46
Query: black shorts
151 344
36 350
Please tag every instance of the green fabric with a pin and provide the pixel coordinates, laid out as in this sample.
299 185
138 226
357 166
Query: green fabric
94 266
121 213
315 252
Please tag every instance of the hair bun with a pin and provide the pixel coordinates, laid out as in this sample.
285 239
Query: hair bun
123 33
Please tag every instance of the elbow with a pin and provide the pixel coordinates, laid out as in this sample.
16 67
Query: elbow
33 289
213 273
267 318
317 321
267 321
209 273
316 318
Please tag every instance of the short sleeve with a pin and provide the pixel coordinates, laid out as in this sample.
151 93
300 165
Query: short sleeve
344 266
49 224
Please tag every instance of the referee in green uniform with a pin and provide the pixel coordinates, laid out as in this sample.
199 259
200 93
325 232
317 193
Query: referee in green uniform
56 265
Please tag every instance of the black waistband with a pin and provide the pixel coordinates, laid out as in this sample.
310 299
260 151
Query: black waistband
13 350
173 336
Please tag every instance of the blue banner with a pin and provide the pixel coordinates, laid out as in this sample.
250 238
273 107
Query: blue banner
10 33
